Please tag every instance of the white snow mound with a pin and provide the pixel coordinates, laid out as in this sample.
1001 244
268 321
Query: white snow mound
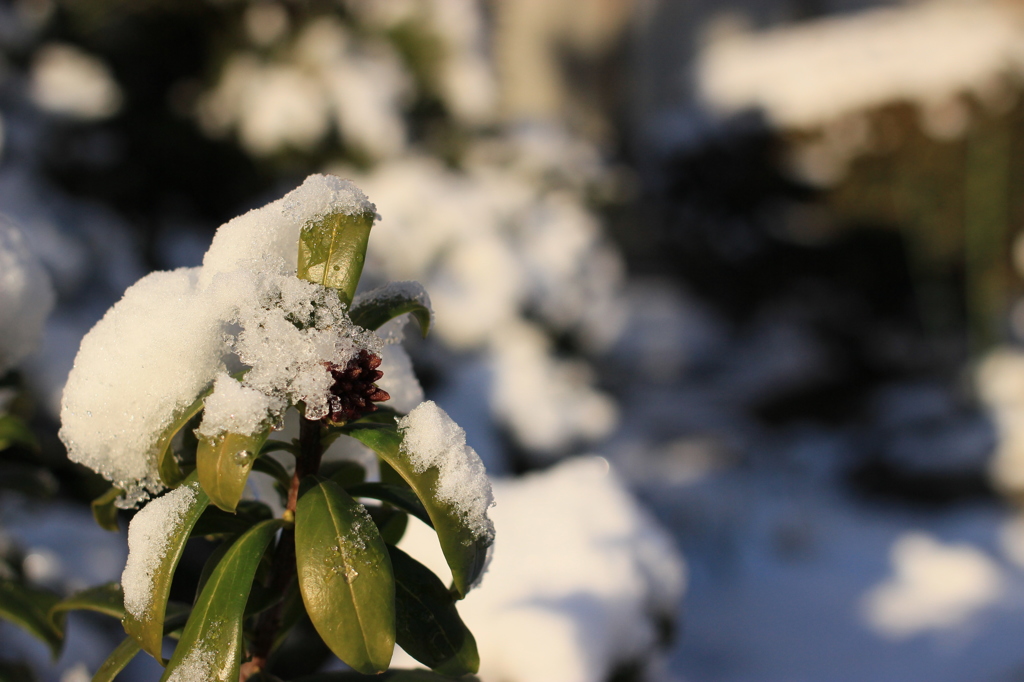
579 579
174 333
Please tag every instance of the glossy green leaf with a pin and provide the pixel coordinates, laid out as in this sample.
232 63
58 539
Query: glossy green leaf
118 659
465 552
104 510
224 462
106 599
345 577
377 307
148 627
332 251
14 431
211 643
29 608
428 626
399 496
170 473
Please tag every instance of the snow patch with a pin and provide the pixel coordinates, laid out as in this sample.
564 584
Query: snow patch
147 544
430 438
234 408
816 72
935 586
579 578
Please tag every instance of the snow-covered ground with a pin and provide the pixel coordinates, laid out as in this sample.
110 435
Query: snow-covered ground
791 579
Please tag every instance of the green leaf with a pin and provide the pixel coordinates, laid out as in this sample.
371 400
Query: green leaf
104 510
14 431
170 473
399 496
464 550
345 577
29 608
224 462
120 657
332 251
373 309
106 599
428 626
148 627
211 643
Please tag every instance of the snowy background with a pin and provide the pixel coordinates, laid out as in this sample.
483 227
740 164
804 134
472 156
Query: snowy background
727 294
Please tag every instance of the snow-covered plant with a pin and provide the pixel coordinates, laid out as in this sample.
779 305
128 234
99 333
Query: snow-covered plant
181 387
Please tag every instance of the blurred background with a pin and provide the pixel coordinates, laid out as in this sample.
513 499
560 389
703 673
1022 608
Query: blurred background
744 275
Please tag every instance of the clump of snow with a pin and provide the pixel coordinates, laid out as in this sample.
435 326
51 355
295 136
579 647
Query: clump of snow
579 578
273 106
547 401
287 337
67 81
815 72
327 195
431 439
174 333
147 544
234 408
327 76
26 298
934 586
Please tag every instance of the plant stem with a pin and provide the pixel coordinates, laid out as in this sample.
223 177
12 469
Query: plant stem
283 569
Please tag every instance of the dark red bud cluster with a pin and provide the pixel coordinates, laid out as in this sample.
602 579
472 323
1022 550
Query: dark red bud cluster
354 392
